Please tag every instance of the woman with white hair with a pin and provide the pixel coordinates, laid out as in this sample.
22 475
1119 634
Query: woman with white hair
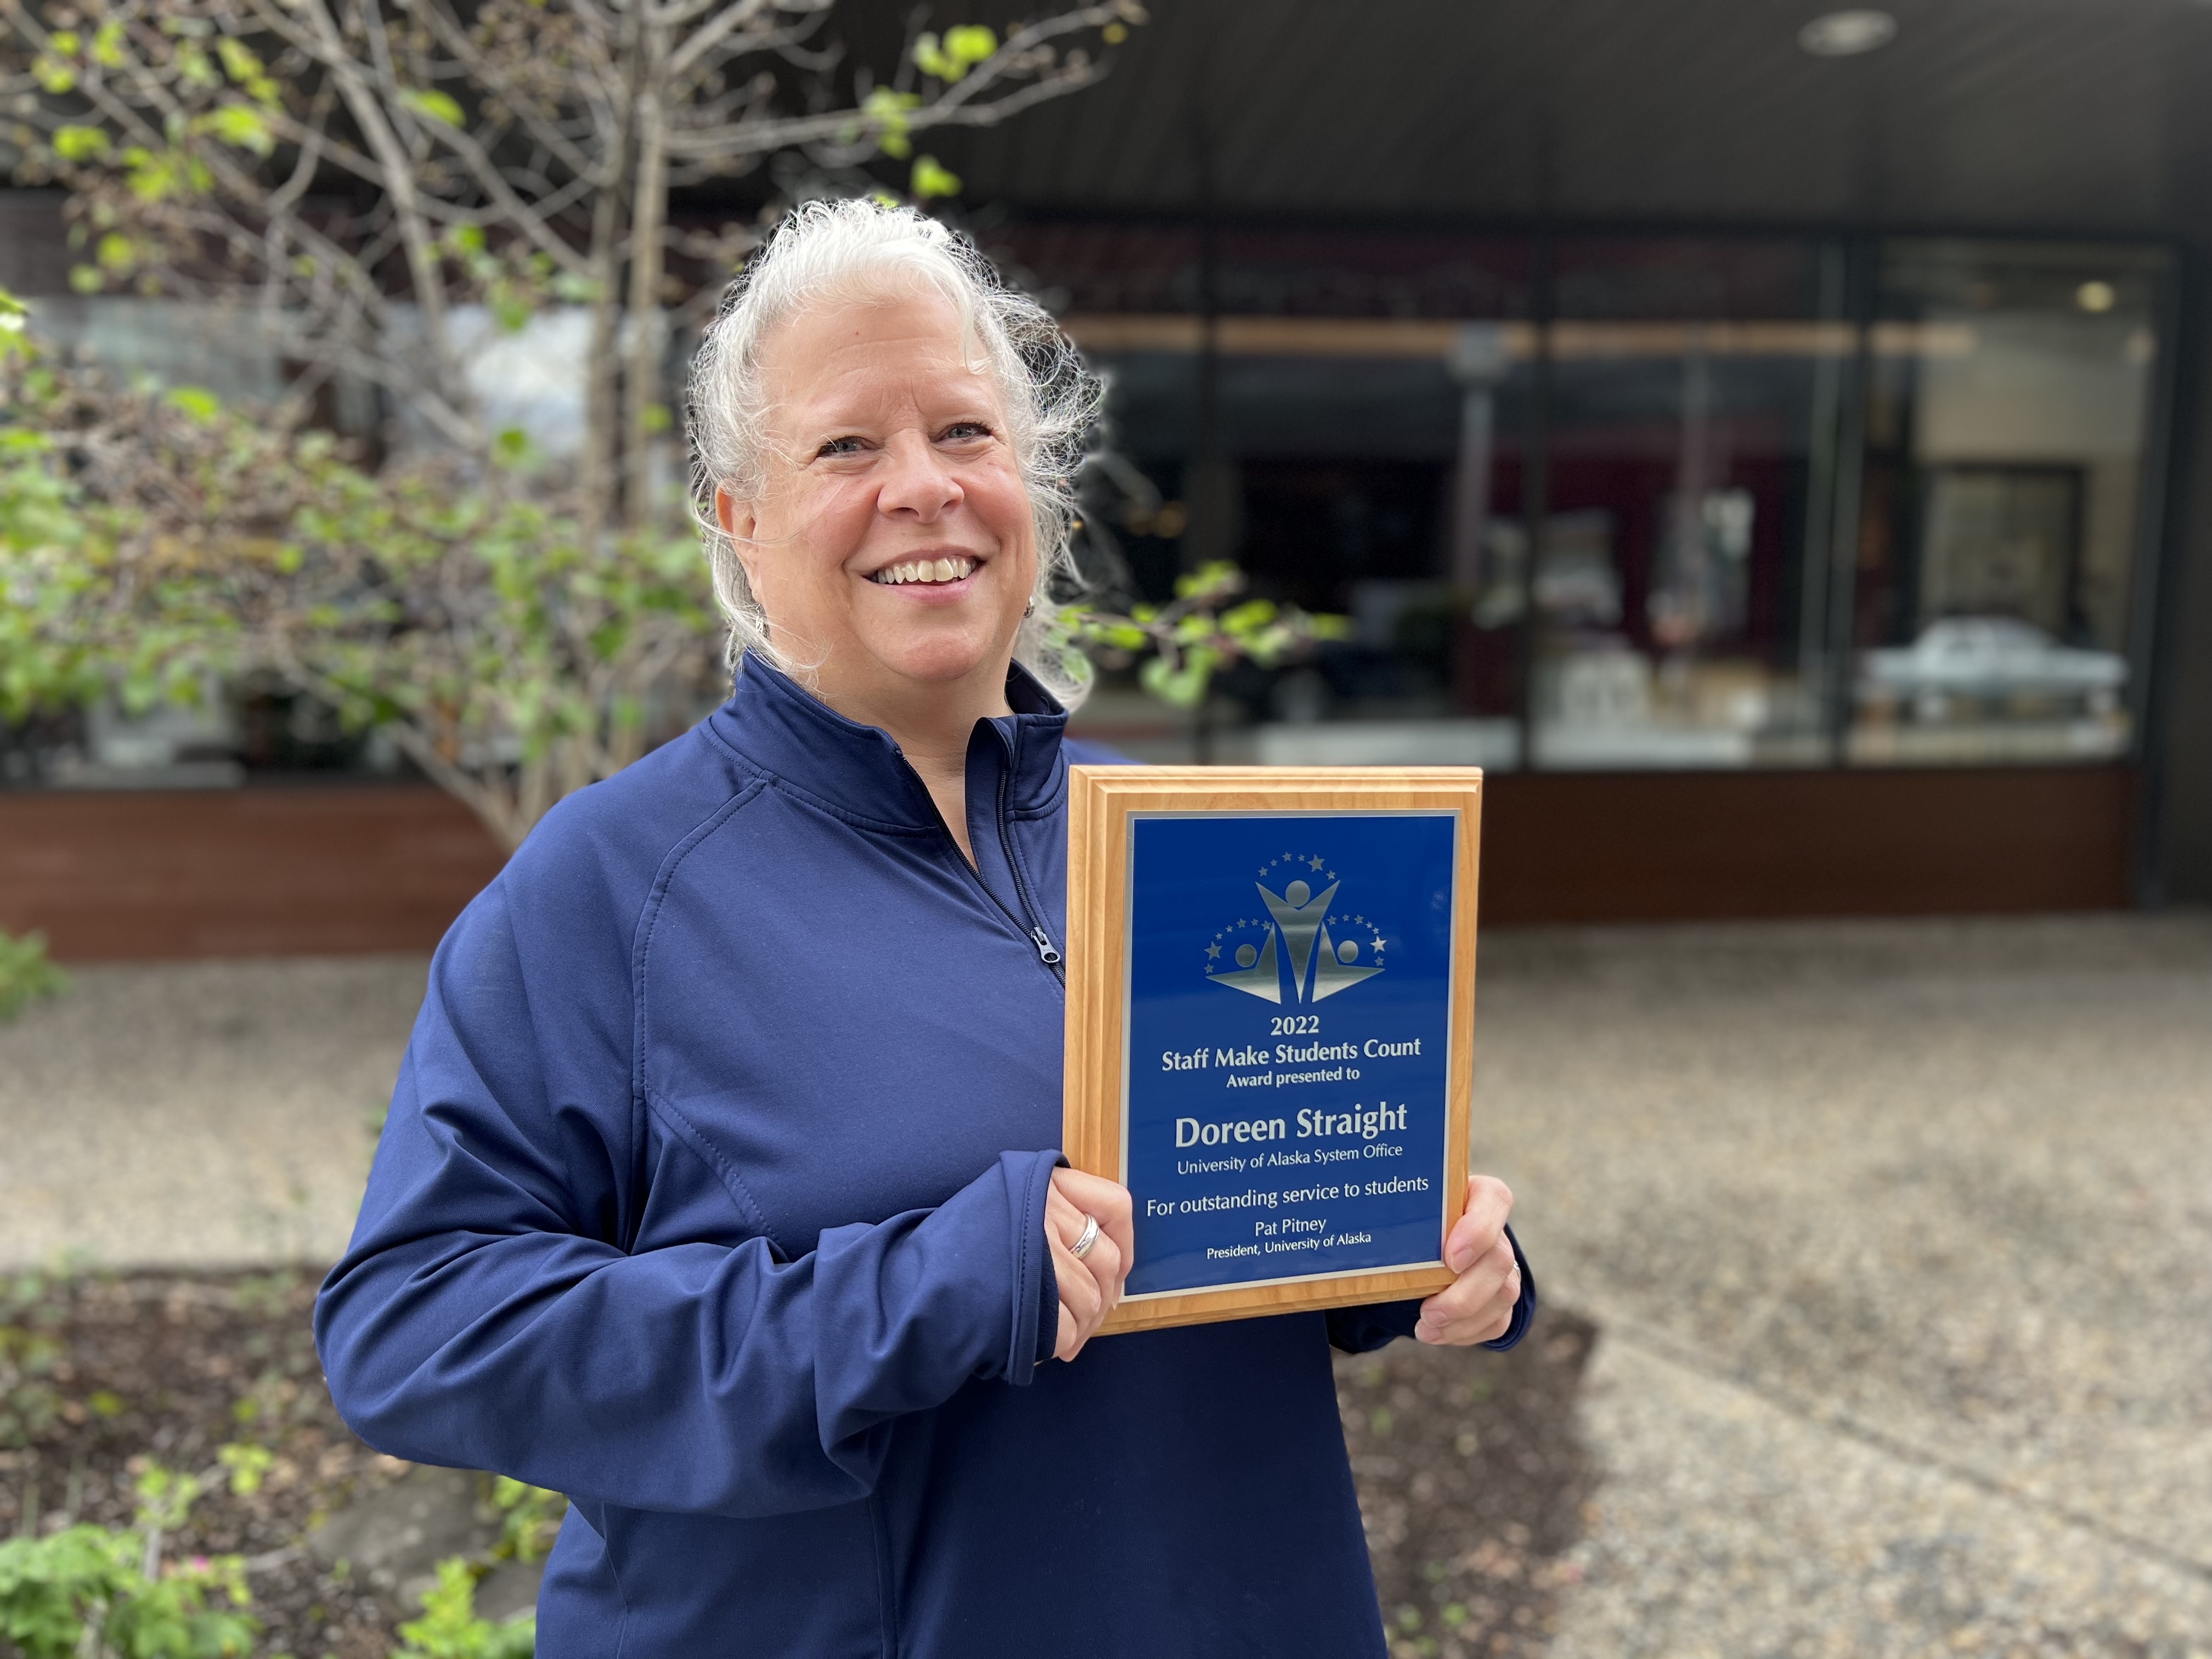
718 1190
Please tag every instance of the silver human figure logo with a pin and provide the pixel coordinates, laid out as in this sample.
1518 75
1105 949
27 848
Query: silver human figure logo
1300 916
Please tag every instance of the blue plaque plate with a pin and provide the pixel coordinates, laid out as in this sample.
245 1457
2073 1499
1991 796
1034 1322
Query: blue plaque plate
1290 1045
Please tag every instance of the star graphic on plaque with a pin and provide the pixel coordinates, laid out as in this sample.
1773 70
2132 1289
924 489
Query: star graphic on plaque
1296 937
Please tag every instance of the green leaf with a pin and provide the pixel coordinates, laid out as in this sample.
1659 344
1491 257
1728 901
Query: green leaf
166 1497
511 308
248 1464
26 974
242 127
239 61
195 403
107 44
1216 579
197 67
1247 619
155 177
1182 687
971 43
80 143
888 108
86 279
931 179
433 105
931 59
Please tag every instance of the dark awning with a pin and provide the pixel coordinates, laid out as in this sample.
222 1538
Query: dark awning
2078 116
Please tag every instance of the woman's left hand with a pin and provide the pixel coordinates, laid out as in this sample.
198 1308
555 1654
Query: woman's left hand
1479 1307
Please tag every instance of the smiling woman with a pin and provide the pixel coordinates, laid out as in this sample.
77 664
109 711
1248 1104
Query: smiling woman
719 1190
886 437
991 354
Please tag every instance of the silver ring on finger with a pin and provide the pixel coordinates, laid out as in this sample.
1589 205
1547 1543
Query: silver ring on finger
1081 1248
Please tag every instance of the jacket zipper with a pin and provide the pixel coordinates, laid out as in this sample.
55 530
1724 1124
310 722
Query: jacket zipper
1048 952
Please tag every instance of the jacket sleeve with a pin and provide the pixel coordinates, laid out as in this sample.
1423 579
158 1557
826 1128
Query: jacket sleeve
1363 1330
488 1314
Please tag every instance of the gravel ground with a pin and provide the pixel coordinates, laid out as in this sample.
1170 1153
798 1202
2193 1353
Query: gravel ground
1730 1524
214 1114
1898 1235
1901 1237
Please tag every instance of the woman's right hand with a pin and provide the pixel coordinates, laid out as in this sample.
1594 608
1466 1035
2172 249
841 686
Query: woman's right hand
1088 1288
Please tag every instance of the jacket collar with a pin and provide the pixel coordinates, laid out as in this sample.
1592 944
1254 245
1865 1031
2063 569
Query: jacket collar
785 731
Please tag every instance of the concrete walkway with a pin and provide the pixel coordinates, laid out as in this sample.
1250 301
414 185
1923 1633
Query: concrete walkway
1901 1237
1900 1242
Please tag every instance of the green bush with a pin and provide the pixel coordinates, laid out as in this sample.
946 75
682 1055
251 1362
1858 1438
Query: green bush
93 1592
26 974
30 1350
449 1627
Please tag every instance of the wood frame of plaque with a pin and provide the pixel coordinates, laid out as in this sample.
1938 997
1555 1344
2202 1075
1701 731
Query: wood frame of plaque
1106 804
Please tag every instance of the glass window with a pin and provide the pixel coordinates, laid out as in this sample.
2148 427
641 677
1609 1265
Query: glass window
2008 409
1692 392
1345 417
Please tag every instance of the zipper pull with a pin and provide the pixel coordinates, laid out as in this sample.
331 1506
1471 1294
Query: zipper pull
1046 954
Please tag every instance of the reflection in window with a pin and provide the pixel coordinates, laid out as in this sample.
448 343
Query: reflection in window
2006 417
1675 624
1620 501
1354 438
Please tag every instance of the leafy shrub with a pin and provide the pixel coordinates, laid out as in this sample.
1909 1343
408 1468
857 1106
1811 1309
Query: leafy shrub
93 1592
26 974
30 1350
531 1516
449 1627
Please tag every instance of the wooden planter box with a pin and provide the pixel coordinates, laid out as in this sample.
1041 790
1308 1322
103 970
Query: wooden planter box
327 869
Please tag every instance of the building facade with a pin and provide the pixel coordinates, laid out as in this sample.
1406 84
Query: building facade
1786 475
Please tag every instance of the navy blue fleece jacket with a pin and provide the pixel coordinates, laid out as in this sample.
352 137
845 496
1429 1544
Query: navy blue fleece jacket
712 1195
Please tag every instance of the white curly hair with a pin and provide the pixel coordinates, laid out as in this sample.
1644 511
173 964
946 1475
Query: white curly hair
833 252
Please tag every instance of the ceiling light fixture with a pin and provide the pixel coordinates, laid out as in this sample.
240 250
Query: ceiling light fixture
2096 297
1847 34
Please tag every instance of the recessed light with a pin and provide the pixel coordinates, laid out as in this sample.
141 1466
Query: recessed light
1847 34
2096 297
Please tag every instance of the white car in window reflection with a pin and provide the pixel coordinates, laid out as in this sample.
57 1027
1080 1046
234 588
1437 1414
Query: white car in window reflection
1979 658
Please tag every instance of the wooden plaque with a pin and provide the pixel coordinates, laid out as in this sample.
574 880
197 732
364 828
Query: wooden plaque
1271 1027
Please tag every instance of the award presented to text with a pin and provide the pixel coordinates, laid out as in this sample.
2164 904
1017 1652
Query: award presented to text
1270 1027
